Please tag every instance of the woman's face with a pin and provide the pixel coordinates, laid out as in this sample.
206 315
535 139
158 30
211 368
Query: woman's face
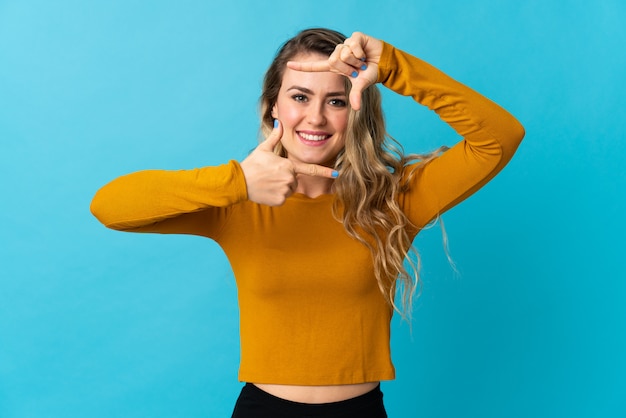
313 110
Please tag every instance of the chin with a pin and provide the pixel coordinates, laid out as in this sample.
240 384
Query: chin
327 162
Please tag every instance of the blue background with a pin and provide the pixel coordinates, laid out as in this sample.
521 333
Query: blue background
96 323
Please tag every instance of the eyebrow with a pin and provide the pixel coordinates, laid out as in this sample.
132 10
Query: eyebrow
309 91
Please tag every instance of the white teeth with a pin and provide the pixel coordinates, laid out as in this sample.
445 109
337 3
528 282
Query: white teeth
313 137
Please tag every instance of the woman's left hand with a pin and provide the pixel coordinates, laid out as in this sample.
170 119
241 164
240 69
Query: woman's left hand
357 58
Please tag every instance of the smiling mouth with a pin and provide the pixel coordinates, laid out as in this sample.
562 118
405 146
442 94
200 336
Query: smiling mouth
313 137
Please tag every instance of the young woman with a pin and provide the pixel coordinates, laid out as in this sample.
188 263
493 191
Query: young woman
318 220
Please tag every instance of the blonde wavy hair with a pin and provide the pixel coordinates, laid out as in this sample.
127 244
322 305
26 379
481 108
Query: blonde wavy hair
371 168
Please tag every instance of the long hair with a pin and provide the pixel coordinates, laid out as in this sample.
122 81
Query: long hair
371 168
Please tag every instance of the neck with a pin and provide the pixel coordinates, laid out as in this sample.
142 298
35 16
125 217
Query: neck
314 186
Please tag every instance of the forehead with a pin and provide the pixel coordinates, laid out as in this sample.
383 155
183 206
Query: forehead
318 82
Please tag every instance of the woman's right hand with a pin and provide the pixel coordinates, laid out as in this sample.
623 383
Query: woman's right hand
270 178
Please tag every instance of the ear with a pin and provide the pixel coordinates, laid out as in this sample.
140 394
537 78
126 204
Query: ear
274 112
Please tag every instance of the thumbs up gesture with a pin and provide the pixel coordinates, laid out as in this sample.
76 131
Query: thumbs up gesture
270 178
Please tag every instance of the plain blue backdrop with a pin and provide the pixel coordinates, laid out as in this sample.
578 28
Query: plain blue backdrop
96 323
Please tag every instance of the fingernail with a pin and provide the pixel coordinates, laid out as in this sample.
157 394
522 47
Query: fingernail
364 67
335 174
275 123
363 59
354 74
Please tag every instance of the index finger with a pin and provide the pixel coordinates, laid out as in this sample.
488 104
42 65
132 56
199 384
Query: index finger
312 66
315 170
356 42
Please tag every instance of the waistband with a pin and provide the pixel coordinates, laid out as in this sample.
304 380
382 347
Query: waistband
370 401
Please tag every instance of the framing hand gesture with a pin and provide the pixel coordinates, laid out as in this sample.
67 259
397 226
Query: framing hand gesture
270 178
357 58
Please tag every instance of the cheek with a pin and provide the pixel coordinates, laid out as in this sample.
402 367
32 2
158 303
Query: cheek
340 122
288 115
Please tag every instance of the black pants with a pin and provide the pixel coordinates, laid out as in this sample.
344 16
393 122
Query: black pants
256 403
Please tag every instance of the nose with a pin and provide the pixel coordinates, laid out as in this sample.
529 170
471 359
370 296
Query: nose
316 115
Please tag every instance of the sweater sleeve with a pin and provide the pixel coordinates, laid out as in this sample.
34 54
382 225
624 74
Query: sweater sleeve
177 202
490 134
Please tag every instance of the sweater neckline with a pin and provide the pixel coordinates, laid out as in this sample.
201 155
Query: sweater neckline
303 197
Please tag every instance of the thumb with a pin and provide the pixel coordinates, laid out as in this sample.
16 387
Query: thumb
364 79
273 139
355 97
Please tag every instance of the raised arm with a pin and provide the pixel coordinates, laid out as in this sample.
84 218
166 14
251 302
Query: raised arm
490 135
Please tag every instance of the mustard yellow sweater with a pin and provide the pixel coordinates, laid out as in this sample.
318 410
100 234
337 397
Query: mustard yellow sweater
311 312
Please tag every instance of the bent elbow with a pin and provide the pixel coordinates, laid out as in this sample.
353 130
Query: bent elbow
512 138
100 209
97 210
519 131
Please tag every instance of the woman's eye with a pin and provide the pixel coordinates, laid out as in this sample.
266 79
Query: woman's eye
338 103
299 97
